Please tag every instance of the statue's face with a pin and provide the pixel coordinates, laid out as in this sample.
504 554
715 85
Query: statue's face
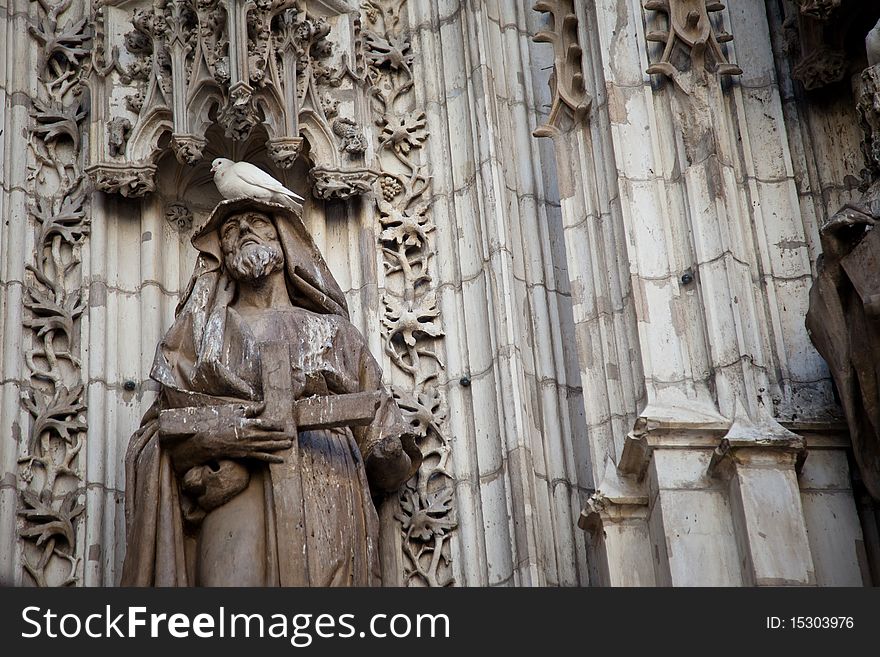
250 246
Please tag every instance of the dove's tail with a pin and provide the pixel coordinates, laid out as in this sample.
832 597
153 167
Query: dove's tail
290 202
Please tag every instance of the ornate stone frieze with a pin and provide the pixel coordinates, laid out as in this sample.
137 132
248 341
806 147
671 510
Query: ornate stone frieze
567 80
342 183
181 66
129 180
50 471
411 320
819 38
690 39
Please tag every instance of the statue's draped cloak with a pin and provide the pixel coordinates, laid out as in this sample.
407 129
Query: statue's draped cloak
209 356
844 325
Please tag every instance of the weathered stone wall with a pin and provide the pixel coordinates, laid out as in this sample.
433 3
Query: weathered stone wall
589 295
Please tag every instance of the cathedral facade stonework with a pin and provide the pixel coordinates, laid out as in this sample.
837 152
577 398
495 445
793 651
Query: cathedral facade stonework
578 293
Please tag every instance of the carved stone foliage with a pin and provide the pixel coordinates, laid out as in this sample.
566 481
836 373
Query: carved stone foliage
823 38
567 80
51 481
338 183
411 319
185 65
179 216
691 40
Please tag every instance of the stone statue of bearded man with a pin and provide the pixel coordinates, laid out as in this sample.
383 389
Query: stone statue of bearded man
256 464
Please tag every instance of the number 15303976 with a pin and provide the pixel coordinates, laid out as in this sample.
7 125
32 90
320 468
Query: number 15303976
810 623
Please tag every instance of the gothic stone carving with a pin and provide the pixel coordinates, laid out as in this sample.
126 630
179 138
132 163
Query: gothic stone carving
185 64
690 32
567 80
844 315
271 424
821 9
819 38
338 183
51 481
411 321
179 216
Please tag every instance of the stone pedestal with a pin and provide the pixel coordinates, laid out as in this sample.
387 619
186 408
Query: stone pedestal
617 519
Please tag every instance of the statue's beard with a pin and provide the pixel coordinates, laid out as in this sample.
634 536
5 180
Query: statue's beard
254 261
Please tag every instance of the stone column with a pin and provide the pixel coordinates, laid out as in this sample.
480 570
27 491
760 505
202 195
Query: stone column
15 96
758 464
521 467
715 250
617 520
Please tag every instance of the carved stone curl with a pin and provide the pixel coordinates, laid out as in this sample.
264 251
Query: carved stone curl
690 29
567 82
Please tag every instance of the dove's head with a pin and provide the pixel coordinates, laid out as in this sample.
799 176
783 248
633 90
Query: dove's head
220 163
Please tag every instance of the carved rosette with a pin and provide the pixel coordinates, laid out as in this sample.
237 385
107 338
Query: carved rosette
50 471
179 216
187 64
411 320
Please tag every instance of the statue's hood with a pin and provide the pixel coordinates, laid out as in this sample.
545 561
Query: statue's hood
188 359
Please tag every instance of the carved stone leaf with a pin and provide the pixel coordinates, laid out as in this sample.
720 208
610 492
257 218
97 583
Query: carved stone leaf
407 319
59 414
68 222
54 123
49 522
409 228
422 522
393 51
404 131
66 43
422 411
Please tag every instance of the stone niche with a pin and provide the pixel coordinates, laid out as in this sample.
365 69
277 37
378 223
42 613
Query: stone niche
320 94
202 79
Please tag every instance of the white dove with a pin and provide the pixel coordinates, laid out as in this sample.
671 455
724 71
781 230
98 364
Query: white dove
244 180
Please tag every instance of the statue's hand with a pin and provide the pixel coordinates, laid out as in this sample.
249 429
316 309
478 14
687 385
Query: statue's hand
387 464
245 437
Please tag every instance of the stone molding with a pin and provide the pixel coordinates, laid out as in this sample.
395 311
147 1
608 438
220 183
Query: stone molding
412 328
51 480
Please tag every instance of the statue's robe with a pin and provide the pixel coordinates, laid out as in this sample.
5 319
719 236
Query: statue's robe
210 356
844 325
